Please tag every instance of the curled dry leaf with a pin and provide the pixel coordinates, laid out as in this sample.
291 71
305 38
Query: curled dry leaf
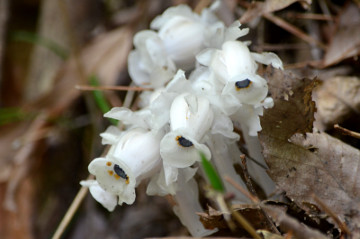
258 8
346 40
294 109
312 164
215 219
336 99
289 224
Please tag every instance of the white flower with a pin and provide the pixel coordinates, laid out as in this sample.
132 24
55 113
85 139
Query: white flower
185 33
135 156
182 33
190 119
191 114
141 118
247 88
108 200
234 59
149 65
115 177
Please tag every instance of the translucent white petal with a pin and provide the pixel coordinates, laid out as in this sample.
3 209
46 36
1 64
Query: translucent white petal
179 150
223 125
205 56
238 58
111 135
234 32
141 118
249 116
158 185
108 200
179 83
137 70
180 10
192 114
268 58
171 175
160 109
139 150
183 39
187 207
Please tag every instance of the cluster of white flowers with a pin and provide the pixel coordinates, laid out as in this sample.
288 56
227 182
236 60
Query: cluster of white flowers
183 115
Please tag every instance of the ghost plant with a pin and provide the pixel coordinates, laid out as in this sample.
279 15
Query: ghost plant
181 117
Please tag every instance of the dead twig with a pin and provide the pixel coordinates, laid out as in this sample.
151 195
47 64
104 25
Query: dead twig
119 88
346 131
71 211
342 225
294 30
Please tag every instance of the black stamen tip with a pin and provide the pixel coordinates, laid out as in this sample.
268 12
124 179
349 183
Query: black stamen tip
242 84
184 142
119 171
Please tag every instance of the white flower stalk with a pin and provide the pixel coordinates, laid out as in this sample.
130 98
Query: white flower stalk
158 185
257 172
108 200
134 157
223 161
187 199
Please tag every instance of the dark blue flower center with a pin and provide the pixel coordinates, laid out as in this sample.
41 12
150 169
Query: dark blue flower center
242 84
184 142
119 171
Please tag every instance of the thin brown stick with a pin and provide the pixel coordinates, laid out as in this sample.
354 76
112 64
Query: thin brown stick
253 198
342 225
310 16
119 88
347 132
246 225
201 5
292 29
71 211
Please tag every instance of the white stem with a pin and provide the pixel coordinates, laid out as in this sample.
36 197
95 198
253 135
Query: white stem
187 206
257 172
224 165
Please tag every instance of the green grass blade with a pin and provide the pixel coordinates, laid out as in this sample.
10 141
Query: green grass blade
211 173
10 115
35 39
100 99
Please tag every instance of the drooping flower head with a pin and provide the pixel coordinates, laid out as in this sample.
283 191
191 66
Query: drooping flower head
131 158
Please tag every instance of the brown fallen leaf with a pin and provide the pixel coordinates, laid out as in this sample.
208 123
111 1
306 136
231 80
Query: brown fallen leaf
336 99
289 224
331 170
312 163
294 109
253 214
